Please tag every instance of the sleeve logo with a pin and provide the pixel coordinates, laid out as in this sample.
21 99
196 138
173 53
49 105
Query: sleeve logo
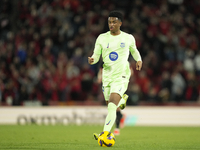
113 56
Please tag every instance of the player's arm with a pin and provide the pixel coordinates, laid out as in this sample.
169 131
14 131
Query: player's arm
136 54
137 57
97 52
93 59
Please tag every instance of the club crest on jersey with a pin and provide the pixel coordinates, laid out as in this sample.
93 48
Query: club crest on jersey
122 45
113 56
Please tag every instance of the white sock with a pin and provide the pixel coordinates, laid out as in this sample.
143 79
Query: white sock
111 117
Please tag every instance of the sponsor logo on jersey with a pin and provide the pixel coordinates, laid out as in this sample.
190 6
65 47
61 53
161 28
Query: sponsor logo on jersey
122 45
113 56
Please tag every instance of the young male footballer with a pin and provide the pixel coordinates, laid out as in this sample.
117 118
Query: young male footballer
115 47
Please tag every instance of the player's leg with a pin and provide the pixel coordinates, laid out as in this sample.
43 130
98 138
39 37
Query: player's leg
118 119
121 105
116 99
117 90
106 93
112 107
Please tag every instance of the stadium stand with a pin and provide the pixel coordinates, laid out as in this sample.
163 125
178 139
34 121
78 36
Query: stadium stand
44 45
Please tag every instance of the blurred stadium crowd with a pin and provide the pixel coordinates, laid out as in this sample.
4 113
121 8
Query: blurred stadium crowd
44 45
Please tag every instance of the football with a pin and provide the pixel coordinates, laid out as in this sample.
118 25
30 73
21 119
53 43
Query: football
106 139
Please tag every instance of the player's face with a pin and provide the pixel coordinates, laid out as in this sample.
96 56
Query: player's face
114 24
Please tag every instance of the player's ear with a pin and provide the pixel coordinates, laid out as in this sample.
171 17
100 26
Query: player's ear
120 23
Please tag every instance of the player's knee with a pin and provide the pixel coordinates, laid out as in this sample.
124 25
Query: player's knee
113 101
114 98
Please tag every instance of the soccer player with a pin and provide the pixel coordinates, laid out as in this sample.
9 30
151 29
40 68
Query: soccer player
115 47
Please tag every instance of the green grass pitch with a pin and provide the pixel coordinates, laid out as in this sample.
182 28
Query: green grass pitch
59 137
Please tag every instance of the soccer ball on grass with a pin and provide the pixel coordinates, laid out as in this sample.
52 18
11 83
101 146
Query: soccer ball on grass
106 139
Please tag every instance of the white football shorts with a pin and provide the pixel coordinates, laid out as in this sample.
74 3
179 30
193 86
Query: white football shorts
119 87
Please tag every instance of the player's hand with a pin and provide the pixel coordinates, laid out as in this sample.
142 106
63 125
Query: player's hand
90 60
139 65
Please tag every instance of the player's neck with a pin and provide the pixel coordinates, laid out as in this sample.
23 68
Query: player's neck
115 33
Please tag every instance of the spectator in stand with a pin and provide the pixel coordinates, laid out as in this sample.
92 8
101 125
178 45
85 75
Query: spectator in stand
164 94
197 64
73 75
192 92
178 86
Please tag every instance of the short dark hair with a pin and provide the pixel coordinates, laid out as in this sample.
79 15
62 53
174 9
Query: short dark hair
117 14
